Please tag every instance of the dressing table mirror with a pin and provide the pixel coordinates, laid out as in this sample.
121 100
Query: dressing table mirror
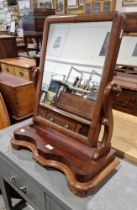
73 99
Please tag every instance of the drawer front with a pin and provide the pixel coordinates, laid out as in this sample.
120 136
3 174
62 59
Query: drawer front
23 185
7 68
52 204
22 72
60 121
126 99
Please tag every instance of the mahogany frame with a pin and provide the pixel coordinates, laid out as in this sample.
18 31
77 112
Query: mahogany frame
85 163
109 64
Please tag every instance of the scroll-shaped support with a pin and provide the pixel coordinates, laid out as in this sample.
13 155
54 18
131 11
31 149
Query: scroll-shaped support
104 145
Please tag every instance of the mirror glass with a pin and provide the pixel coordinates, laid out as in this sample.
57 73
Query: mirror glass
73 67
128 51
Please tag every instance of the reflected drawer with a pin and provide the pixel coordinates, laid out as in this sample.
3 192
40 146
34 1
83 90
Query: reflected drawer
61 121
127 98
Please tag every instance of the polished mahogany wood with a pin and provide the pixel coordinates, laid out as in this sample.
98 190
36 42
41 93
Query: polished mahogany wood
126 75
85 160
131 22
126 78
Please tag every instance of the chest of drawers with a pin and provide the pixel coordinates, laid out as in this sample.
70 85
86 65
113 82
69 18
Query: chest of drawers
18 94
127 100
19 66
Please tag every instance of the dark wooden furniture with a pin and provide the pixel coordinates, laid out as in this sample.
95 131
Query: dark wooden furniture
126 75
33 23
18 95
19 66
126 78
86 161
8 47
11 63
131 22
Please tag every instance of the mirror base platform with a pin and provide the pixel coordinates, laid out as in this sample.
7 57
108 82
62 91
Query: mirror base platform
51 148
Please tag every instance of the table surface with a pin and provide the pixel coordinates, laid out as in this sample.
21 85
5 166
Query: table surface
117 192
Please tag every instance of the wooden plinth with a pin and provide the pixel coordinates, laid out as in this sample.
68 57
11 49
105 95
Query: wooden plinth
52 149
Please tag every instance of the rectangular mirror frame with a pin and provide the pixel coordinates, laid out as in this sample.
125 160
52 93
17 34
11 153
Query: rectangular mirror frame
109 65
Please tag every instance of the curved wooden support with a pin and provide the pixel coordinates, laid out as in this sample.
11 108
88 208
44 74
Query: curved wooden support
75 186
104 145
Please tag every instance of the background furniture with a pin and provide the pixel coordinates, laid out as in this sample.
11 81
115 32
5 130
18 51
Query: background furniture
18 94
127 80
4 117
19 66
11 63
8 47
47 189
99 6
126 74
33 24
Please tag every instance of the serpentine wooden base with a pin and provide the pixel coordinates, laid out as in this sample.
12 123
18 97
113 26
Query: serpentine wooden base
82 171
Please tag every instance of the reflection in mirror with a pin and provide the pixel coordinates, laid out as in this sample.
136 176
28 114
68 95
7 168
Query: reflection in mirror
128 51
127 58
72 72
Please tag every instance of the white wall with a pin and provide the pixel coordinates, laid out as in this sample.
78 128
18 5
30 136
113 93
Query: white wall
125 8
128 43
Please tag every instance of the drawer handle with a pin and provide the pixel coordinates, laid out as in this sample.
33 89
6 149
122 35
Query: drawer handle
13 181
7 70
21 74
133 100
51 119
66 126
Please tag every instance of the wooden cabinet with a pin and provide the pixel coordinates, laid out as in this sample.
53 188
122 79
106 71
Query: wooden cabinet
8 47
7 68
100 6
103 5
18 95
127 100
33 24
19 66
131 22
33 19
